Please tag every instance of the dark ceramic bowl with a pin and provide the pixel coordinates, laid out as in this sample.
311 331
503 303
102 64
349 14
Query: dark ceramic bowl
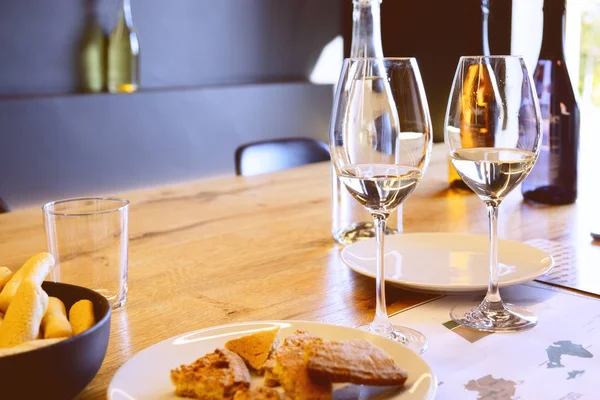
64 369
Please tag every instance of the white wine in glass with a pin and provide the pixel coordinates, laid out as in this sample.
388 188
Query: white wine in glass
380 143
380 188
492 172
492 162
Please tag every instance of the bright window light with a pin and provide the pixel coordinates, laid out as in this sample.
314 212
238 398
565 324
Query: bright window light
328 66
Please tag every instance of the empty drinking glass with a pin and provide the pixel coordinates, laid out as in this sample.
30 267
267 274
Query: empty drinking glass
88 238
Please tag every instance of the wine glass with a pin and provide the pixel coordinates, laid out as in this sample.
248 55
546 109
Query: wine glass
380 140
493 133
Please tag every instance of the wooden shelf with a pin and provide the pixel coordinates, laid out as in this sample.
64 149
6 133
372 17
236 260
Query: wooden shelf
153 90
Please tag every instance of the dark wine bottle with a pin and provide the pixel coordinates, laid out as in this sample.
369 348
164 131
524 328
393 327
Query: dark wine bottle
553 179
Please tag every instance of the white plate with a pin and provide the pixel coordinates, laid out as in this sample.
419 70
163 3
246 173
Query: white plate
447 262
146 375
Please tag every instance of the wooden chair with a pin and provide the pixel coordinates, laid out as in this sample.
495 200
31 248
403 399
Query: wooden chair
274 155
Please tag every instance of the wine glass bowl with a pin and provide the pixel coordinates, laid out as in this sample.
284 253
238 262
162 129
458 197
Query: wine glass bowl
493 134
380 140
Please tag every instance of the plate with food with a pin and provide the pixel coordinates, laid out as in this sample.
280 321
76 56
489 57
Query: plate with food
275 360
447 262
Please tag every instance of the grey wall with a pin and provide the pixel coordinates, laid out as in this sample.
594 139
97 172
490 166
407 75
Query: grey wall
93 145
201 62
183 42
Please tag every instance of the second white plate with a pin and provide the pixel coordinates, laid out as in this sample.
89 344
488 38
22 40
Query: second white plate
447 262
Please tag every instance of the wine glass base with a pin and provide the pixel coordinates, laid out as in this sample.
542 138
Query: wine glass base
494 317
410 338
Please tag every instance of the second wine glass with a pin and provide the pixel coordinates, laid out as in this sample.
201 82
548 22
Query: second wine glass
380 141
493 134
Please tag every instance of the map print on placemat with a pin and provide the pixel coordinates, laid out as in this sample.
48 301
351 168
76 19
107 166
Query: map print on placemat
490 388
564 348
575 373
470 335
557 360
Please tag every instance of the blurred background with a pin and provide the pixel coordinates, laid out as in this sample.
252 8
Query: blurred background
217 74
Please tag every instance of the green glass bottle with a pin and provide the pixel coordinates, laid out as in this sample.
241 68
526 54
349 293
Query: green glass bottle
123 54
93 54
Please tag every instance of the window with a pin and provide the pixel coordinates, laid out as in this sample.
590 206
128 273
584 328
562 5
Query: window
582 42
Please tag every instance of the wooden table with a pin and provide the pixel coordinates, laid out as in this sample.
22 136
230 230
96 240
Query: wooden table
240 249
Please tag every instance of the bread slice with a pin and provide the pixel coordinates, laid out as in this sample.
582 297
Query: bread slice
254 348
288 367
216 376
354 361
260 393
299 338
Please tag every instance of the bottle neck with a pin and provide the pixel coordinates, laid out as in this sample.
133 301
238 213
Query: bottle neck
485 13
553 34
366 29
125 13
92 10
92 15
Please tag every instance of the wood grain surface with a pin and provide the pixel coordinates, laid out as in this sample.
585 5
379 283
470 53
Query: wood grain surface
238 249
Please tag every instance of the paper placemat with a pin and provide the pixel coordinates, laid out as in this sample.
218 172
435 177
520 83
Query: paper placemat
559 359
574 267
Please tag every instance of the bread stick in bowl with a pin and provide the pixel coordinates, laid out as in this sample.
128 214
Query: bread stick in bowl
5 275
55 323
81 316
24 315
36 269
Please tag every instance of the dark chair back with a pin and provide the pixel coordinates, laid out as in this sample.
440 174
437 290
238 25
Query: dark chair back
274 155
3 206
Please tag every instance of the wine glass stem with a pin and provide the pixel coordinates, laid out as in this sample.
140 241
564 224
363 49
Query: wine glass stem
493 294
381 322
